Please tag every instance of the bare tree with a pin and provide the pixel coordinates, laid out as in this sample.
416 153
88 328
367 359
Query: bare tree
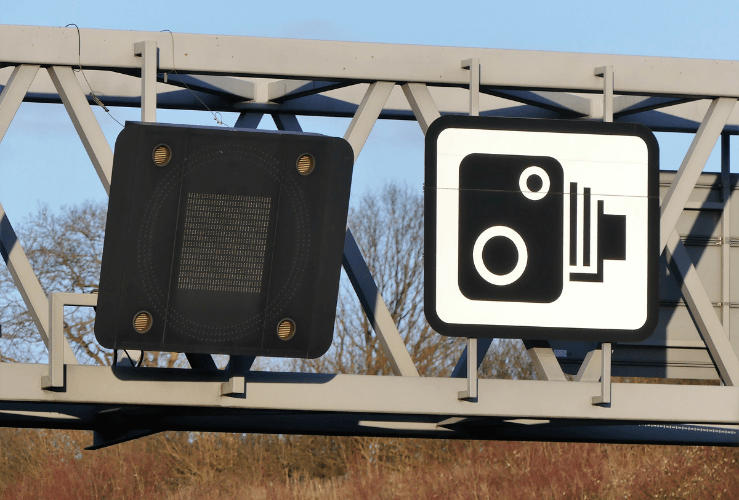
65 250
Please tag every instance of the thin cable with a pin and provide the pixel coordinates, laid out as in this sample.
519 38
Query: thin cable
219 121
79 62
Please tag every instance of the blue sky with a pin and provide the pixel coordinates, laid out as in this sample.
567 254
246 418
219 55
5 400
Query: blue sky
43 161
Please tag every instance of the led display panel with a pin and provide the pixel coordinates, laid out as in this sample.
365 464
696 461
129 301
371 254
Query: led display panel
223 241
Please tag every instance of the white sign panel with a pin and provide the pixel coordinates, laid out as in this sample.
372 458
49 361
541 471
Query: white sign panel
541 229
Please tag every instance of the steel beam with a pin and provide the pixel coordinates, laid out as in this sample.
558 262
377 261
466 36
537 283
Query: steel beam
726 234
55 378
606 72
471 392
318 60
123 90
84 121
376 310
692 166
460 369
422 104
605 376
13 93
224 86
248 119
367 114
561 102
110 437
591 369
200 361
624 105
26 282
703 313
287 121
285 90
147 50
304 392
473 65
545 362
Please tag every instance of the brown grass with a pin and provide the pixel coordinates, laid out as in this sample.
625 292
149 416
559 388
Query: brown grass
196 466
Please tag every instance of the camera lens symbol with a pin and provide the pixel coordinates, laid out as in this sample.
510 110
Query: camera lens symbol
531 192
513 236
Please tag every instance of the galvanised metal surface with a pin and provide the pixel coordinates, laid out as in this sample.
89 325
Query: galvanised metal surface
285 78
367 62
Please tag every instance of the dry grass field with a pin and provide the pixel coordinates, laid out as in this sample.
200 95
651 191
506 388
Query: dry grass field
185 466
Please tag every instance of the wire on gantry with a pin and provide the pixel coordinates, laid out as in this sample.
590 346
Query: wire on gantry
80 70
219 121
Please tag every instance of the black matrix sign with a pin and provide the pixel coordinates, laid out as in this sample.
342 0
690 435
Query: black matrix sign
223 241
541 229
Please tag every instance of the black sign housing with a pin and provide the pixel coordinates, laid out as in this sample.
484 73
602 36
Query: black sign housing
223 241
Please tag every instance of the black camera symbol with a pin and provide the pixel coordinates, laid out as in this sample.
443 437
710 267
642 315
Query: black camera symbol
511 227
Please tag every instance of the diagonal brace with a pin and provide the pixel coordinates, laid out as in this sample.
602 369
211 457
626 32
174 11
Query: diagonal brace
376 310
422 104
545 362
13 93
701 309
84 121
692 166
354 264
27 283
366 116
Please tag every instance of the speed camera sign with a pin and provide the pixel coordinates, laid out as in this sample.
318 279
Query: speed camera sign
541 229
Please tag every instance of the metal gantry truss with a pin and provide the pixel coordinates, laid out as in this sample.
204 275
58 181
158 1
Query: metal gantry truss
367 82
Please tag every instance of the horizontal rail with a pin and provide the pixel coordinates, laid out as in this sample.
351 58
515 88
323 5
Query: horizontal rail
373 394
368 62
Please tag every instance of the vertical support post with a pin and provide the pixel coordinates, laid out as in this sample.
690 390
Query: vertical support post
726 235
148 52
607 73
55 379
460 369
474 66
237 367
57 343
605 377
471 392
